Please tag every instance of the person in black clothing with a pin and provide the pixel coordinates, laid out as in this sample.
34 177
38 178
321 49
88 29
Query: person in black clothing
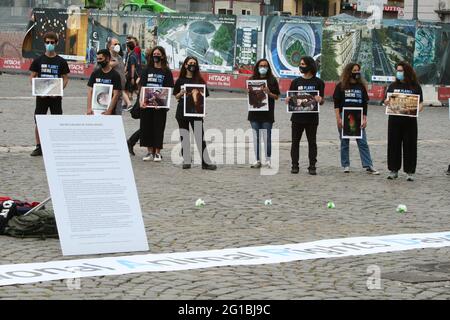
153 120
307 122
104 75
262 121
48 65
190 74
402 130
352 92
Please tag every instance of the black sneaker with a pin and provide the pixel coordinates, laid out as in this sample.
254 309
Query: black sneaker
186 165
209 166
36 152
294 170
448 171
130 148
312 171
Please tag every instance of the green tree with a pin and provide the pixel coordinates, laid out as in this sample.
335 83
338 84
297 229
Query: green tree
223 39
328 63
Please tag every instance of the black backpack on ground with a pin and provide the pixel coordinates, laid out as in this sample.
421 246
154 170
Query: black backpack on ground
38 224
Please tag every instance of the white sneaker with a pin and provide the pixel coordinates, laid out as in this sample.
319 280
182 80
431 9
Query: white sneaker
392 175
256 165
268 164
346 169
409 177
148 157
372 170
157 157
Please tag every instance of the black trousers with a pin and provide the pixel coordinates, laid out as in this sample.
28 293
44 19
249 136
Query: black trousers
402 136
134 137
152 126
197 128
311 135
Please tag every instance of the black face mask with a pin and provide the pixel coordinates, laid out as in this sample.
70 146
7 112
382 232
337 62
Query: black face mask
305 69
356 75
192 67
103 63
157 59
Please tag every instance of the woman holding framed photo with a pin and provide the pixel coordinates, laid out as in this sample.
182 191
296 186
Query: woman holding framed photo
190 75
351 92
262 121
402 131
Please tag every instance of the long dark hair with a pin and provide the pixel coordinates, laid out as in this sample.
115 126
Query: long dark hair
150 61
347 76
197 77
257 76
310 62
410 74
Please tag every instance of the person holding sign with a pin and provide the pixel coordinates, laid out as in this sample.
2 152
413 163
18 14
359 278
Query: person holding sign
103 77
153 118
402 130
351 92
306 121
262 121
48 65
190 75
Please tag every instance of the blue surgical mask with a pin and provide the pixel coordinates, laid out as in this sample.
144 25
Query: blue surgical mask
50 47
263 71
400 75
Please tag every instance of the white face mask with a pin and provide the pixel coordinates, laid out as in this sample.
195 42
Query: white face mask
116 48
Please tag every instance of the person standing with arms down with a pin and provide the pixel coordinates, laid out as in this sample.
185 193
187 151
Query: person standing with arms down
117 64
307 122
262 121
402 131
190 74
104 75
153 120
352 92
48 65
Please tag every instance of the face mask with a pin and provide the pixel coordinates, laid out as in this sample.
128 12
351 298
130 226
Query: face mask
400 75
304 69
263 70
103 63
356 75
116 48
192 67
49 47
157 59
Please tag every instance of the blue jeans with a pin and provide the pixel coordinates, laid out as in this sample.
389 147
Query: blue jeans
266 129
363 147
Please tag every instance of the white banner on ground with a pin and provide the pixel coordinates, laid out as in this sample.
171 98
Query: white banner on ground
331 248
92 184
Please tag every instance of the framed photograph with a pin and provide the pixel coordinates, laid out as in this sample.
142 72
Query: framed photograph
152 97
194 100
403 104
101 97
45 87
352 120
258 100
302 102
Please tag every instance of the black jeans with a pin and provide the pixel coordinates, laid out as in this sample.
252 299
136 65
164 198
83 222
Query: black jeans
134 137
311 133
402 136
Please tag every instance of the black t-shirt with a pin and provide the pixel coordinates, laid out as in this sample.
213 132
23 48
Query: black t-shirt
266 116
47 67
112 77
355 96
157 77
180 107
400 87
302 84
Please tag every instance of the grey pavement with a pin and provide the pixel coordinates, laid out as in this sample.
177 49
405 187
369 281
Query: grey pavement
235 214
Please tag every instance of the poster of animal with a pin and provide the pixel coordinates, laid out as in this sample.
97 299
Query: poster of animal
351 123
101 97
194 100
258 100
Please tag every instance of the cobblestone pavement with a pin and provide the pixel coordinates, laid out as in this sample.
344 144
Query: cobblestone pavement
235 215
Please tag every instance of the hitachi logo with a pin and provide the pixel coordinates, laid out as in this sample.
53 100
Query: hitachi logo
214 77
12 62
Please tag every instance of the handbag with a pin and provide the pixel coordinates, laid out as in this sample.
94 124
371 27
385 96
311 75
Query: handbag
136 110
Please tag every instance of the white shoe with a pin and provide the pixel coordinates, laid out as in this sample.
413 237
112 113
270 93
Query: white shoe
409 177
256 165
372 170
157 157
268 164
346 169
148 157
